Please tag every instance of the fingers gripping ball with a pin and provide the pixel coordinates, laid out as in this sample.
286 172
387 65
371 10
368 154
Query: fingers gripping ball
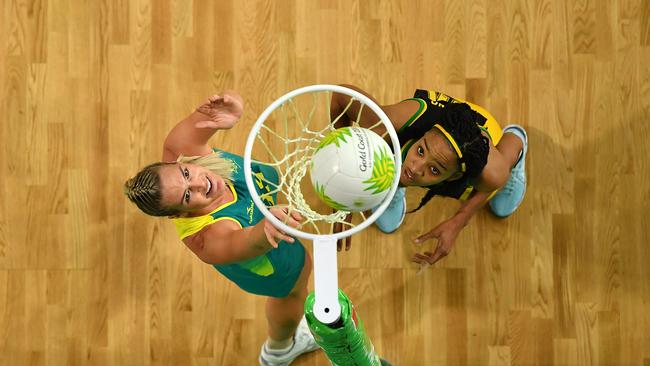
352 169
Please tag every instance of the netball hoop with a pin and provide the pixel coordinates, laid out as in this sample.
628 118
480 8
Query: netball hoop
285 136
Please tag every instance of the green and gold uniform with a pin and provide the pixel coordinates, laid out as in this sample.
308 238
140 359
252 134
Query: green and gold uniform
271 274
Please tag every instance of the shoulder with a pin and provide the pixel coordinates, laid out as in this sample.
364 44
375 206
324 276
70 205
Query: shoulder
403 113
213 235
213 231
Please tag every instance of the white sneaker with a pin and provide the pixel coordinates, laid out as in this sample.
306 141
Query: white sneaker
303 342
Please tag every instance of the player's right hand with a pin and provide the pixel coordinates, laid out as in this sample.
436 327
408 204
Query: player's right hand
223 111
275 235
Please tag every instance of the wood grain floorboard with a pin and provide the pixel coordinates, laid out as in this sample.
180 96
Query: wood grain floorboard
89 89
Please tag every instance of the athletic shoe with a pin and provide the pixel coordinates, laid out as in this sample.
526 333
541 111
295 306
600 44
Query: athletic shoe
508 199
393 217
303 342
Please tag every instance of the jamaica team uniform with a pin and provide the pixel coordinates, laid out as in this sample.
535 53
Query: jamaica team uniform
432 104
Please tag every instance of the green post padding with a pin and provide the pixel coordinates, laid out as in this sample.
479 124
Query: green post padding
345 342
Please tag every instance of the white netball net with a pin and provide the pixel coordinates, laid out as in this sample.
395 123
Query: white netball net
293 158
285 136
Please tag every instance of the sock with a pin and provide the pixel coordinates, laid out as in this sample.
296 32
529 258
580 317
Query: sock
521 153
278 347
518 133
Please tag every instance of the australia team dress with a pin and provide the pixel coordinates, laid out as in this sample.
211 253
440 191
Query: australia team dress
271 274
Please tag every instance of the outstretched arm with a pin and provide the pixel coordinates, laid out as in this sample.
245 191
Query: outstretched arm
494 176
447 231
225 242
347 116
190 136
398 113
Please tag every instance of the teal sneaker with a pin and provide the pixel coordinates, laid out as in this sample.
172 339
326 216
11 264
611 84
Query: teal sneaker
508 199
393 217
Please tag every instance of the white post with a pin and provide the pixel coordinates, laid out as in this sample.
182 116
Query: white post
326 285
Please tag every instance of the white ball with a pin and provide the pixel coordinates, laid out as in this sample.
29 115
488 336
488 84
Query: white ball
352 169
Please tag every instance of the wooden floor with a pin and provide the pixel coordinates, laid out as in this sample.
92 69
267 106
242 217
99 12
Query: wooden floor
90 88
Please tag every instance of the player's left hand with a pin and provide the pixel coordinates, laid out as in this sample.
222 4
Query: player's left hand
273 234
224 111
446 233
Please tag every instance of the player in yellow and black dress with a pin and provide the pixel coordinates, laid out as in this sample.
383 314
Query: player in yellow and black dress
203 191
452 148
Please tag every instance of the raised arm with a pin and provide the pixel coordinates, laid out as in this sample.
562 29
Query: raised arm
398 113
190 136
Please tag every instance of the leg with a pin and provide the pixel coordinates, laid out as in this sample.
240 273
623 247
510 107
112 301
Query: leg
284 314
289 336
513 147
510 147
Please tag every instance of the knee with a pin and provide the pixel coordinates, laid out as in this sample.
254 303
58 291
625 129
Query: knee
299 292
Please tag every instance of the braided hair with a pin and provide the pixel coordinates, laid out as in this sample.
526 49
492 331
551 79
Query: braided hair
145 191
461 122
